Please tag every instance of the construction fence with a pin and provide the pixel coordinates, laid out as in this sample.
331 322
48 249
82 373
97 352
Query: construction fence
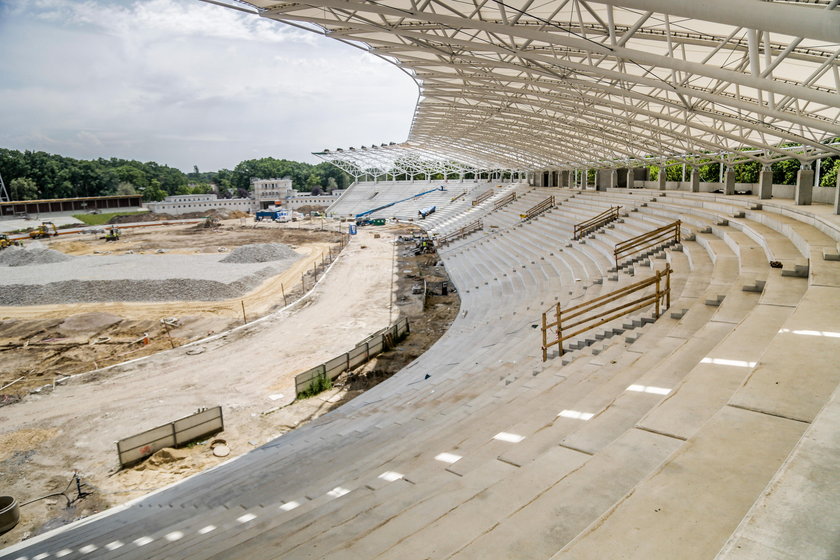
174 434
380 341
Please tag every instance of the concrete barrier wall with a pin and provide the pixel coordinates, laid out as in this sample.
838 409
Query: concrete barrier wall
360 354
195 426
823 195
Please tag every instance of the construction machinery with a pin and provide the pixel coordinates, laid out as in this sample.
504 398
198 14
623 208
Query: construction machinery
113 234
46 229
6 242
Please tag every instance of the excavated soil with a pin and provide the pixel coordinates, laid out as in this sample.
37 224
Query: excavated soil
65 429
44 342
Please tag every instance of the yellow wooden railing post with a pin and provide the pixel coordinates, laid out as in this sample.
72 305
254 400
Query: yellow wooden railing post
544 338
658 293
559 330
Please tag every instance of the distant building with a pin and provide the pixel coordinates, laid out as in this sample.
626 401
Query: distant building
278 193
271 192
82 204
186 203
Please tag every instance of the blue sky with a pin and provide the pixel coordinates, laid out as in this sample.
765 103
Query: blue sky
186 83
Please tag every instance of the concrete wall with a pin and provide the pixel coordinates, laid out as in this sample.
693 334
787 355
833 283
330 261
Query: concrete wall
823 195
296 202
184 206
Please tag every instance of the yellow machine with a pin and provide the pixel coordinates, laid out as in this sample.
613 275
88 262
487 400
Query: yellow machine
46 229
6 242
113 234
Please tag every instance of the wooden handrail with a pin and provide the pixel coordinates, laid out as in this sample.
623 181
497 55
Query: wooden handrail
505 200
461 232
538 209
592 224
637 244
482 197
459 197
579 318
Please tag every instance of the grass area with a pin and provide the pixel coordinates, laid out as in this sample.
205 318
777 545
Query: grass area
102 219
319 385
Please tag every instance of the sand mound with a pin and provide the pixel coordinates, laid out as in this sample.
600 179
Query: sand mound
87 323
32 255
259 253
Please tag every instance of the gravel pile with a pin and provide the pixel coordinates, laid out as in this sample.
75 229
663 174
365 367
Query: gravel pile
34 254
173 289
260 253
87 279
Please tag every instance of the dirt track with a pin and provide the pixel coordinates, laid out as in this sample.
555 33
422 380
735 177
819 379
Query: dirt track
245 371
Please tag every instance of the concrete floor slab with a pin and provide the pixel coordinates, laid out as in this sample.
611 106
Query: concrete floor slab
797 515
693 503
718 374
480 513
800 369
555 517
782 290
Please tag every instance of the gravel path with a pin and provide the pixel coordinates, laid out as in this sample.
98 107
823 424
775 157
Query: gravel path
139 277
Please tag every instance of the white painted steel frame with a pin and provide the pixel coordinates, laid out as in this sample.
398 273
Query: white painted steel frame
574 84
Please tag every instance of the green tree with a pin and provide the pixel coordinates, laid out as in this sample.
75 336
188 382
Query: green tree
784 172
830 170
23 188
154 192
126 189
747 172
313 181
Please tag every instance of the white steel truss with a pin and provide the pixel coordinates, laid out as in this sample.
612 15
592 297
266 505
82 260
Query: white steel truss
393 162
574 84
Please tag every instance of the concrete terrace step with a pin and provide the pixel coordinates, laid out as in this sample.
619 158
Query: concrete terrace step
666 445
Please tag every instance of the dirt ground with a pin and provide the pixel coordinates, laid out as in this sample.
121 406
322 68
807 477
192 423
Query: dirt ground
41 345
71 427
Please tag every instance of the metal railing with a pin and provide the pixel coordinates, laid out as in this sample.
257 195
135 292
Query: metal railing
578 319
588 226
462 232
637 244
538 209
482 197
504 201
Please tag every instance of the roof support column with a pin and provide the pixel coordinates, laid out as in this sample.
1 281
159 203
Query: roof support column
604 179
837 196
663 177
804 185
765 183
564 178
631 177
695 179
729 181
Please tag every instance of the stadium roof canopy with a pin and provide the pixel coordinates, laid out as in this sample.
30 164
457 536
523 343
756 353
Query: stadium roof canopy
574 84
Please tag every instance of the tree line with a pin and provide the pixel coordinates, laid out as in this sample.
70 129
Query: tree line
784 171
30 175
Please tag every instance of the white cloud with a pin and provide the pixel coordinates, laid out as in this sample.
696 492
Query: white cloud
186 83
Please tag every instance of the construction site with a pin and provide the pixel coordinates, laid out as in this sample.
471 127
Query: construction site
604 266
94 334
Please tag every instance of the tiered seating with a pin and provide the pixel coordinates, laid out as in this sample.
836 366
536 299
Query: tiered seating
652 442
365 196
